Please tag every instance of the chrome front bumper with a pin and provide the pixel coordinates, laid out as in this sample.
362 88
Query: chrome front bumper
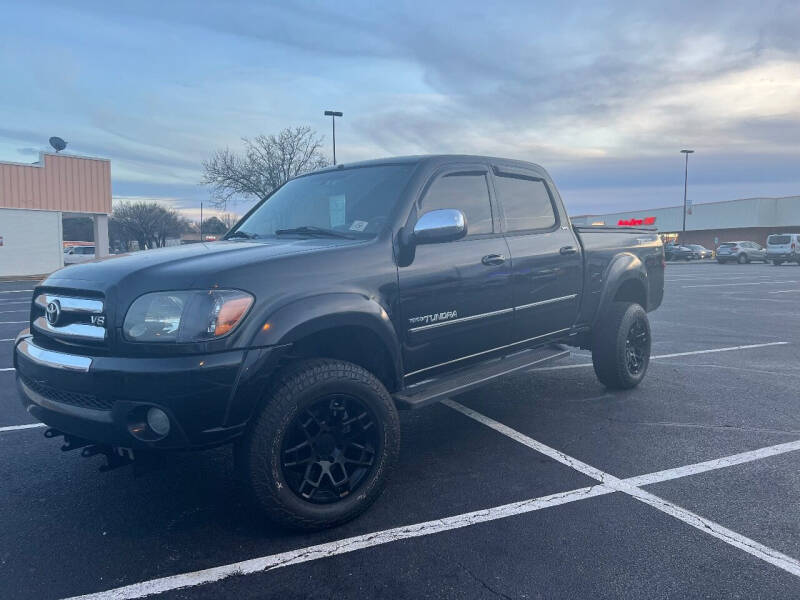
50 358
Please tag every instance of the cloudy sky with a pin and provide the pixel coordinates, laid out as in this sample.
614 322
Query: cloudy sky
603 94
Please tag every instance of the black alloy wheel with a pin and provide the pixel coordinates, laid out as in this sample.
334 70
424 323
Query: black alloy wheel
321 445
637 345
621 343
329 449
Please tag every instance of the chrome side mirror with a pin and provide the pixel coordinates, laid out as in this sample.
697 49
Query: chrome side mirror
443 225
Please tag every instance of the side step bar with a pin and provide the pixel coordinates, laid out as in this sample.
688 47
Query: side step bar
433 390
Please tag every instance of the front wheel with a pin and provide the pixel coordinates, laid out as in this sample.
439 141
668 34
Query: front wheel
621 346
777 263
320 450
742 259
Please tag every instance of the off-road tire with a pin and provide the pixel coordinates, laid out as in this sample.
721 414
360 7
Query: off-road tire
609 346
259 452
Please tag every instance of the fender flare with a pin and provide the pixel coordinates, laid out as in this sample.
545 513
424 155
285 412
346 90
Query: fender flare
307 316
623 267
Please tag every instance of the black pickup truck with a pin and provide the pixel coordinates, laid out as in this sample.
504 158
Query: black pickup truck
349 293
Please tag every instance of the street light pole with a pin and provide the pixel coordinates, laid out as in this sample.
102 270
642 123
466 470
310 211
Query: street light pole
333 114
685 184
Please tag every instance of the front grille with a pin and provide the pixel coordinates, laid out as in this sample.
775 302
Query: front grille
69 316
71 398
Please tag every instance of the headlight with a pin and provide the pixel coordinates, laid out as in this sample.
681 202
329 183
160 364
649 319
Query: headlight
185 316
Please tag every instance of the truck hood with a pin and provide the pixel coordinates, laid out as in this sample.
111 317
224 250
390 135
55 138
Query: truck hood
183 267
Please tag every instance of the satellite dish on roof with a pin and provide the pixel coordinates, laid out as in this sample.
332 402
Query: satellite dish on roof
58 143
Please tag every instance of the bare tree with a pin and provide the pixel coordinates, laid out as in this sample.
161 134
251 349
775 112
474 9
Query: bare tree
229 219
268 161
147 223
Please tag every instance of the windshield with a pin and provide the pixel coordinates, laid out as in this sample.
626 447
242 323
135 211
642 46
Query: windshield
353 203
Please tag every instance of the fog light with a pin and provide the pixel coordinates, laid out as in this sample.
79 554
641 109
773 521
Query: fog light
158 421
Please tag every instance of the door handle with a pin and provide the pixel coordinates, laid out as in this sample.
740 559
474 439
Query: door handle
568 250
493 259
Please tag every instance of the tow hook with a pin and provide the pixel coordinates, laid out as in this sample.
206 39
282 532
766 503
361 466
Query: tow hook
116 457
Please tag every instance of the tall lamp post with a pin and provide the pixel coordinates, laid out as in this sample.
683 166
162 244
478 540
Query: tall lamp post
685 184
333 114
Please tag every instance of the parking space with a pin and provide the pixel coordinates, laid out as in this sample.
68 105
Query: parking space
541 485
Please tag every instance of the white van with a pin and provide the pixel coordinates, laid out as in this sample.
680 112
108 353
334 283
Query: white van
783 247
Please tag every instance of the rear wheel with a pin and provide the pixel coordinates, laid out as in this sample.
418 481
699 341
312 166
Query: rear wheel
320 450
621 346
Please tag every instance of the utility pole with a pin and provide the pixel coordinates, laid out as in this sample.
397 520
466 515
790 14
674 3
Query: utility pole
333 114
685 184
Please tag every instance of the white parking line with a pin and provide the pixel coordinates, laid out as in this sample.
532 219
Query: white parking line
19 427
704 285
784 291
17 310
11 322
14 291
728 349
712 465
7 340
773 557
6 369
344 546
727 278
660 356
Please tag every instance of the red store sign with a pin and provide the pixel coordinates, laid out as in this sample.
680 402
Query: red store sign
636 222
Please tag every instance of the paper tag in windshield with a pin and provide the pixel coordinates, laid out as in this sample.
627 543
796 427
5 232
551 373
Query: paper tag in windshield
337 208
358 226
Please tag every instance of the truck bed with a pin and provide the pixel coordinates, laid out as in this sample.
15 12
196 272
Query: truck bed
604 245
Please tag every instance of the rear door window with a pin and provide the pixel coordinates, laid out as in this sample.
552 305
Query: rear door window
525 201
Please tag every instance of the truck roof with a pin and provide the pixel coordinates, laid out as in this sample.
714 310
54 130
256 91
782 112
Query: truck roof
430 158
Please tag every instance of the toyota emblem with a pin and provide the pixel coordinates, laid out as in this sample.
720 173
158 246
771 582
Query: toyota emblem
53 312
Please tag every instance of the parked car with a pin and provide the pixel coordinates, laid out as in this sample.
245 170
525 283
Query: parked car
78 254
701 251
678 252
348 293
783 247
741 252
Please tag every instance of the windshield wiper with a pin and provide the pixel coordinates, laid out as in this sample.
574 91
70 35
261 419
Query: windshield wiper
314 230
241 234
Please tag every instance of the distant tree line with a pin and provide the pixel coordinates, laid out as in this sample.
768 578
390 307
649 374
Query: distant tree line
149 224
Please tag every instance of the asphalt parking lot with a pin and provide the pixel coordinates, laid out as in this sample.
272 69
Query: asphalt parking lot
542 485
